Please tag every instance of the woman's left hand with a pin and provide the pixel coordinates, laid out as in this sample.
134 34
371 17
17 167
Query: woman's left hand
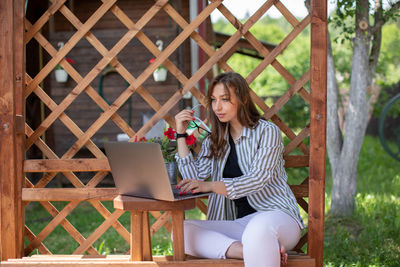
194 186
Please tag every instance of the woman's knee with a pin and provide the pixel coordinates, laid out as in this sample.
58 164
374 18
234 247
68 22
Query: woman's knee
257 232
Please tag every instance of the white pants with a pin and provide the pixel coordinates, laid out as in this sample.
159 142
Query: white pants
261 233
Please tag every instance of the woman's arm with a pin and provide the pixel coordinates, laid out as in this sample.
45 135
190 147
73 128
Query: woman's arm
190 168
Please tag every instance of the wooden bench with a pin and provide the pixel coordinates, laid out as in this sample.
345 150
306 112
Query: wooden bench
140 251
124 260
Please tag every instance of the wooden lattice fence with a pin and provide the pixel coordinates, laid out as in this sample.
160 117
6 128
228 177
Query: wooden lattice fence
18 136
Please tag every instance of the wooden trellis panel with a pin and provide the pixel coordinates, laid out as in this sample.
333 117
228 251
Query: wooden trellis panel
312 156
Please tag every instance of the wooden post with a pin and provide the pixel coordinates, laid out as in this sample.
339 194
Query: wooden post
177 234
136 235
19 57
11 60
317 130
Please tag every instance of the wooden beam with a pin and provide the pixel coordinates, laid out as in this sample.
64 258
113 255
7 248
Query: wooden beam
68 194
10 201
58 165
221 38
123 260
317 130
102 165
102 194
19 57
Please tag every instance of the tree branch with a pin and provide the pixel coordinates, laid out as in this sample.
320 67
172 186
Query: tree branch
376 42
379 21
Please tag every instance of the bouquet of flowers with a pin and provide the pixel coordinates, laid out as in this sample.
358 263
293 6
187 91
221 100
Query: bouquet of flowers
168 144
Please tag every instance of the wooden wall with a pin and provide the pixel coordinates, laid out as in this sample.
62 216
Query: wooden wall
135 57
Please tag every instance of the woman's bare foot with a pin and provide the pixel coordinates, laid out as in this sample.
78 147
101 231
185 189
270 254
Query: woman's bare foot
284 255
235 251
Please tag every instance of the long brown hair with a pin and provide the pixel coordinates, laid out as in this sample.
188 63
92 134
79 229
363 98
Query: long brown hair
247 114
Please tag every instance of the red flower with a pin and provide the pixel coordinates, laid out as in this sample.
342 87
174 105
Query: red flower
70 60
190 140
170 133
143 139
152 60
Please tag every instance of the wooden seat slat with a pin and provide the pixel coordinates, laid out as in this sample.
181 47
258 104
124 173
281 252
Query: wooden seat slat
123 260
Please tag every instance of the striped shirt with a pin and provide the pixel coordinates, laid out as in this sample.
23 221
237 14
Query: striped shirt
264 179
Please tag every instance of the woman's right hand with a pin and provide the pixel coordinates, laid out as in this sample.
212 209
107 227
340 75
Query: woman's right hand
182 120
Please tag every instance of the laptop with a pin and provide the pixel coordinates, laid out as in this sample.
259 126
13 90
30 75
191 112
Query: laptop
138 170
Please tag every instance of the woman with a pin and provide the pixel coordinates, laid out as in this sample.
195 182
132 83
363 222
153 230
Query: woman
253 214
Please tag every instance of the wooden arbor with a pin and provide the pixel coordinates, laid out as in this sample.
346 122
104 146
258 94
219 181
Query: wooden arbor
17 136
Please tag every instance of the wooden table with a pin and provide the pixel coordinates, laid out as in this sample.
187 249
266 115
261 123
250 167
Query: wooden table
140 230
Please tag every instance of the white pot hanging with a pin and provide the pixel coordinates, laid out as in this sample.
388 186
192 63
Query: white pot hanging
61 75
160 74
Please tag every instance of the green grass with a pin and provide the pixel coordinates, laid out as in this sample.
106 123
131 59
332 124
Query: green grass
372 236
369 238
86 219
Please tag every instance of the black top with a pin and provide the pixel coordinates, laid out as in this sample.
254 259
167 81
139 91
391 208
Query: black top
232 170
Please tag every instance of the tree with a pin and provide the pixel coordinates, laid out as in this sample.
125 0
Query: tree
344 147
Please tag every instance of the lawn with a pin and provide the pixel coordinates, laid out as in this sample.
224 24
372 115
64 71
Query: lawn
370 238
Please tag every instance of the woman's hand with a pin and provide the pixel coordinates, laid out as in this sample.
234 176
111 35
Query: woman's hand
196 186
182 120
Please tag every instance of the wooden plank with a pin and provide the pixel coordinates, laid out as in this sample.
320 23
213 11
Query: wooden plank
153 49
98 232
317 130
42 248
264 52
301 242
19 58
299 190
43 19
286 13
9 246
86 81
108 194
120 68
290 79
50 227
136 235
303 204
106 214
121 260
49 153
94 18
59 165
296 161
177 235
77 77
81 86
207 65
142 77
135 203
146 239
201 206
91 165
68 194
161 220
279 49
287 95
296 142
